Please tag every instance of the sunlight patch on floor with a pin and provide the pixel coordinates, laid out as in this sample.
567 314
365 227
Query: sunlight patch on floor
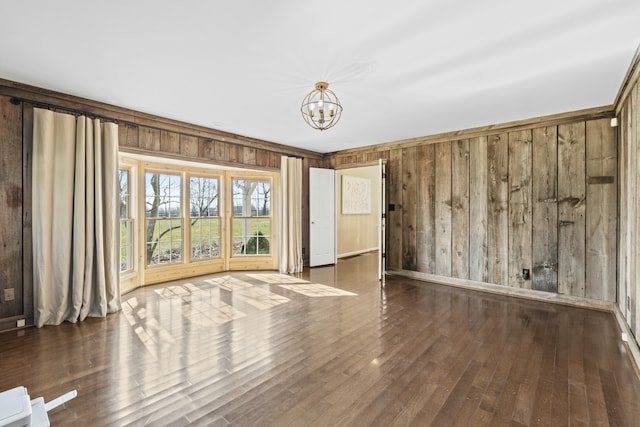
261 298
317 290
276 278
228 283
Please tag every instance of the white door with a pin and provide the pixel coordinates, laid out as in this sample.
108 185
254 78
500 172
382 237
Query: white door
322 216
383 222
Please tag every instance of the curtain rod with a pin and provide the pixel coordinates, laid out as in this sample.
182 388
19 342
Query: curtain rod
15 100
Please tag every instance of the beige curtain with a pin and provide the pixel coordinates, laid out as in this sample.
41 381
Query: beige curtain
75 218
291 215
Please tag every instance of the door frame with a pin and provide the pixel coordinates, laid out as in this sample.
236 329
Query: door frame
381 232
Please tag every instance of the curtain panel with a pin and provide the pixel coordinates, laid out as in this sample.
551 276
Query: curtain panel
290 256
75 218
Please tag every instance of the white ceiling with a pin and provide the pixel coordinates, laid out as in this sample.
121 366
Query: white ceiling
401 69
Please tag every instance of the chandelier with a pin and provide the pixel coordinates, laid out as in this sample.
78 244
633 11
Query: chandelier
321 108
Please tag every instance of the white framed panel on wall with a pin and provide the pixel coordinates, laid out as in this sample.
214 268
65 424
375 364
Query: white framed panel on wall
356 195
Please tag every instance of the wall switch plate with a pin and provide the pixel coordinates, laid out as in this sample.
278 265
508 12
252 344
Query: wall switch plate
9 294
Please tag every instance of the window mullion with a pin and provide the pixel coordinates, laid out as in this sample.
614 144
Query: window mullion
186 218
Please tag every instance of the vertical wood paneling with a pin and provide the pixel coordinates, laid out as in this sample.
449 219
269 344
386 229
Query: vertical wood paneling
409 257
394 197
249 157
498 209
262 158
628 215
11 207
545 209
376 155
634 306
601 154
274 160
632 208
189 146
426 222
571 209
236 153
148 139
443 208
623 228
516 213
460 209
520 226
222 151
206 148
478 209
169 142
27 212
127 135
197 148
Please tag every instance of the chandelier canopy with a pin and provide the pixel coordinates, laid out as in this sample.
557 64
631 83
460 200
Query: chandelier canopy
321 108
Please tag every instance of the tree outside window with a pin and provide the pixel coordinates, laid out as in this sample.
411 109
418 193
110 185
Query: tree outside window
251 229
164 218
204 217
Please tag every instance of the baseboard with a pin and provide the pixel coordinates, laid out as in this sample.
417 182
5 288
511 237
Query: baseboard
11 323
506 290
354 253
631 344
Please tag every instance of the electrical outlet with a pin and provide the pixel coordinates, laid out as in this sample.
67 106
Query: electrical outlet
9 294
525 274
20 323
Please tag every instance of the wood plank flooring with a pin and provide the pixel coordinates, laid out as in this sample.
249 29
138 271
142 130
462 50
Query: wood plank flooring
242 350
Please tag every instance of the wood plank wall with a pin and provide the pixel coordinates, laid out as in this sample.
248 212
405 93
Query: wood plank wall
541 198
628 110
11 208
138 133
163 143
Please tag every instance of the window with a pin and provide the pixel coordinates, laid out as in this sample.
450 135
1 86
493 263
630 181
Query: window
204 217
251 226
126 221
163 218
183 220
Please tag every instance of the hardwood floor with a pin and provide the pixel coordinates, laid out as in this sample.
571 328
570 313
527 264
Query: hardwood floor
241 349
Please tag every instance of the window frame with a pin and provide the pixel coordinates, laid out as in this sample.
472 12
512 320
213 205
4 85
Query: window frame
131 279
252 218
256 261
130 218
180 218
219 217
188 267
